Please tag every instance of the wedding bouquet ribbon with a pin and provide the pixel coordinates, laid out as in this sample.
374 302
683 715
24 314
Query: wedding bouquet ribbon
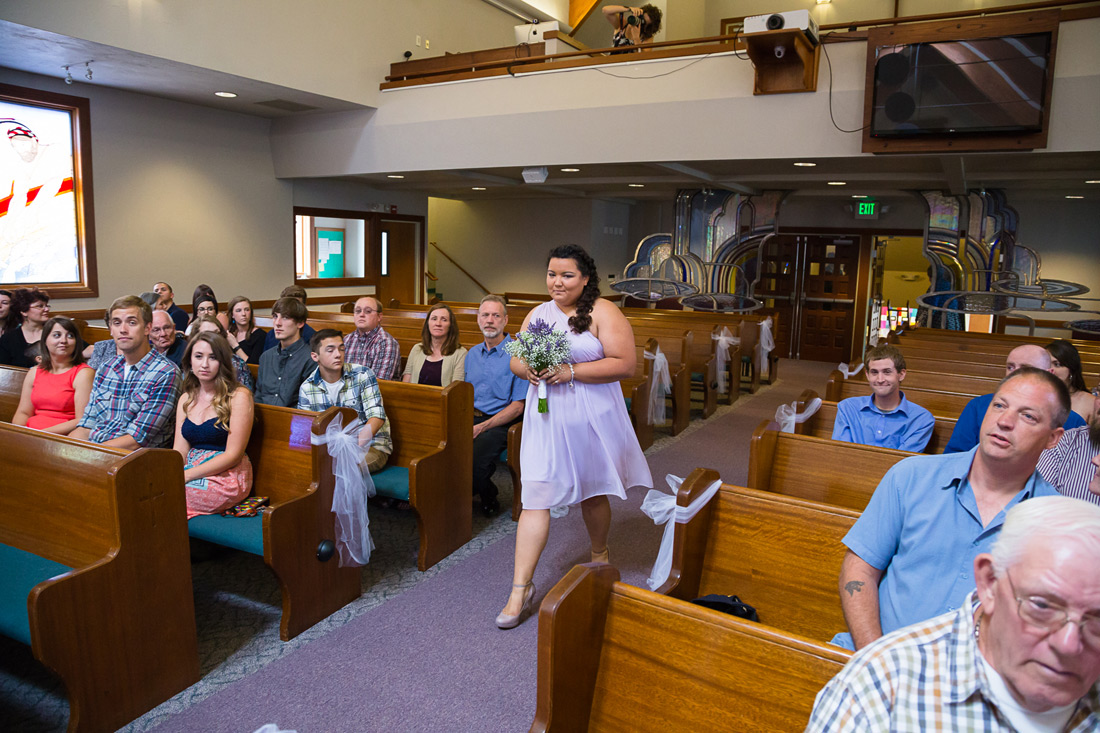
847 370
659 386
353 487
788 415
722 356
764 346
662 509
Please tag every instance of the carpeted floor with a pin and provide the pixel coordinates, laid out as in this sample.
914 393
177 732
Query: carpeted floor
419 651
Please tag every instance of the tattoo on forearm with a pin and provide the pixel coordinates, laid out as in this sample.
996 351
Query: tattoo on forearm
853 587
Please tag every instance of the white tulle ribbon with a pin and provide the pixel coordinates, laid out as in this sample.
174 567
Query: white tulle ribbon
353 486
662 509
847 370
788 415
724 341
764 346
659 386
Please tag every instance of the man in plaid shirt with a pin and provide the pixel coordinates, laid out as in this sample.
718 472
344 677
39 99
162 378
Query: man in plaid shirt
1021 654
335 382
133 400
369 344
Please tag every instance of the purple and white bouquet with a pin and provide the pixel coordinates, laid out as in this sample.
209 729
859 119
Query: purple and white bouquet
540 347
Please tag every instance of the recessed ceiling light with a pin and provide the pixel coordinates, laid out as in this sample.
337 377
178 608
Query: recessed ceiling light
859 196
838 183
570 170
1093 181
1075 197
227 95
477 188
636 185
806 165
394 175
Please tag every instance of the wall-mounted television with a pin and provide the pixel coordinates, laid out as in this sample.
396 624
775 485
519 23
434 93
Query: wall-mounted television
961 87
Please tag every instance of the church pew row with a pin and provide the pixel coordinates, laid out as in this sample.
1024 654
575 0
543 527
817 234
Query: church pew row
11 385
1090 364
615 657
779 554
820 425
817 469
939 403
636 393
95 574
986 352
996 342
698 353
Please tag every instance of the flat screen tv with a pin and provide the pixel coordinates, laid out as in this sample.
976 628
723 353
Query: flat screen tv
983 85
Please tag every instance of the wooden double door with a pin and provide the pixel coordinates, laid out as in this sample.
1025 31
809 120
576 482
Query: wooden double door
811 282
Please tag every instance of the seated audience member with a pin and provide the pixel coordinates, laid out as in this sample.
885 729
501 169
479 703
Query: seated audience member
337 383
213 424
30 308
885 418
1069 465
166 302
633 26
133 402
438 359
498 397
166 341
101 352
244 336
1065 363
6 318
298 292
910 552
204 289
284 368
965 435
369 344
206 324
56 392
1021 652
204 305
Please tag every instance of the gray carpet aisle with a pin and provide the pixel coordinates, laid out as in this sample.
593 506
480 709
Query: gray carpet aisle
419 652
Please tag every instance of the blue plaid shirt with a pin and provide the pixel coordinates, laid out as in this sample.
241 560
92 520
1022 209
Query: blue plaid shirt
142 406
359 391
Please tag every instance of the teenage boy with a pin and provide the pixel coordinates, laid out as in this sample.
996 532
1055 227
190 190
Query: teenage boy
284 368
299 293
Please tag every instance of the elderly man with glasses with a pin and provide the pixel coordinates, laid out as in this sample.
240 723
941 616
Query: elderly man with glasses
1021 654
369 344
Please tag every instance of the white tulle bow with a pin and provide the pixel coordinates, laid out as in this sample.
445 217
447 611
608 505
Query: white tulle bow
659 386
725 341
662 509
353 486
788 415
847 370
764 346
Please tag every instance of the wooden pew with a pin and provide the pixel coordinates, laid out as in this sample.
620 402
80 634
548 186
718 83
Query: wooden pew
817 469
947 382
699 354
295 534
944 365
95 575
615 657
1002 341
675 349
636 393
11 387
778 554
820 425
940 404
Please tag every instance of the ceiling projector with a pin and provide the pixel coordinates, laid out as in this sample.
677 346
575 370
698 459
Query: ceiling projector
776 21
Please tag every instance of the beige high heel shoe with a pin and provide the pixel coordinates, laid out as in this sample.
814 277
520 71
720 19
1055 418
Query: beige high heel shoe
604 556
508 621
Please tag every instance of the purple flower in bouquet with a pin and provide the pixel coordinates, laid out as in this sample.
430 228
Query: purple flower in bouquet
540 347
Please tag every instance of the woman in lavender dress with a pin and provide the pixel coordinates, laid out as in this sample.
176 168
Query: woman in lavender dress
584 449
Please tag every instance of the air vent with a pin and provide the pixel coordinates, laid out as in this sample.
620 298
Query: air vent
286 105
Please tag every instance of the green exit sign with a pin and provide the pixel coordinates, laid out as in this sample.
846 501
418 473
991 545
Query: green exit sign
867 209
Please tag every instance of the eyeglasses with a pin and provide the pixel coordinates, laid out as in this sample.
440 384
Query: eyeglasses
364 311
40 306
1050 617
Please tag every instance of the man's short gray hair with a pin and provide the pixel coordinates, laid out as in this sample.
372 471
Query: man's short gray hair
491 298
1072 520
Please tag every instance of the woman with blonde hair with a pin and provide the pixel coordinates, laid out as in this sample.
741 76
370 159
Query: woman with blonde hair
438 359
213 425
209 324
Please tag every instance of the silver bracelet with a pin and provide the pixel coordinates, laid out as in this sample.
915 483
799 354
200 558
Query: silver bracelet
572 374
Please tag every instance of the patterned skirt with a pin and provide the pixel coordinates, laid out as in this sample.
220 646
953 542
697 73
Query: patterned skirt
215 494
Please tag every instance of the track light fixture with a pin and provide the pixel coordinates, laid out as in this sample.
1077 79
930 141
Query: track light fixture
87 70
68 75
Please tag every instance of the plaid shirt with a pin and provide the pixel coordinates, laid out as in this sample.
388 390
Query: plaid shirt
143 406
359 391
376 350
924 677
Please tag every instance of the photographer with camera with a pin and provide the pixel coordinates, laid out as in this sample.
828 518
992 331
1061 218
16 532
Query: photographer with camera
633 26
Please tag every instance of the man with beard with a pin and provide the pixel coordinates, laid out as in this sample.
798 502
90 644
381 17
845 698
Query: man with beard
1070 465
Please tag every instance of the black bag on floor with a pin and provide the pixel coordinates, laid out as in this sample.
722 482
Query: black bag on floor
728 604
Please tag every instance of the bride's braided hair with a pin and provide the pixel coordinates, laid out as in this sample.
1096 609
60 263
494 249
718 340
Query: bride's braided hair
587 266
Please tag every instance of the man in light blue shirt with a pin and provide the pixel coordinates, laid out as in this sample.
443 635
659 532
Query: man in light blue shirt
911 552
885 418
498 397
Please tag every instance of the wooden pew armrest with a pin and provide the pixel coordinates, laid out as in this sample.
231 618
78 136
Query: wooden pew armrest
689 544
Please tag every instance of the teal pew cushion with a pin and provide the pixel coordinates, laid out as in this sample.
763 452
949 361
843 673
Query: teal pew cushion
504 455
697 376
20 572
628 403
392 481
240 533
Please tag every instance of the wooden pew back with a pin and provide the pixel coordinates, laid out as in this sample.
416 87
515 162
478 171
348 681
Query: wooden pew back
940 404
281 453
11 387
615 657
420 417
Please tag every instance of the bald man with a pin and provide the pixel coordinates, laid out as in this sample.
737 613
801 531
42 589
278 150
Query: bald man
967 429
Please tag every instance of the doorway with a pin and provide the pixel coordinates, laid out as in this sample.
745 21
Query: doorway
400 256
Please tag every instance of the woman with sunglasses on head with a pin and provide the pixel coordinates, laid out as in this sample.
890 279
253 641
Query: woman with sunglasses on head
56 391
31 309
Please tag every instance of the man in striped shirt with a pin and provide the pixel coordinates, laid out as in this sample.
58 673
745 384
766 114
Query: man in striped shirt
1069 465
1021 654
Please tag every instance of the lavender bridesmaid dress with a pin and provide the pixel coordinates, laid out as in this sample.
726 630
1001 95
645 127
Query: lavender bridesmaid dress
585 445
